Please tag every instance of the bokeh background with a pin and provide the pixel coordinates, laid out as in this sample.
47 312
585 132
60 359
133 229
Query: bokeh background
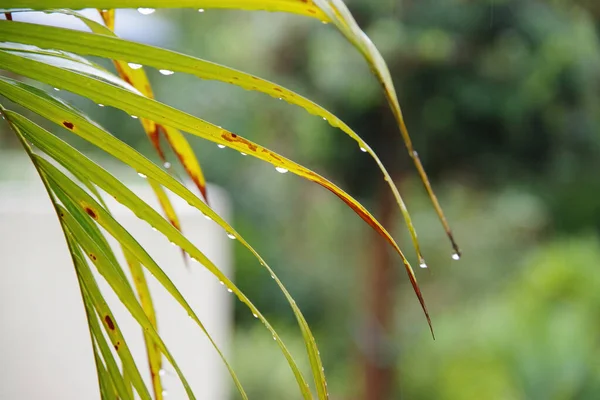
502 98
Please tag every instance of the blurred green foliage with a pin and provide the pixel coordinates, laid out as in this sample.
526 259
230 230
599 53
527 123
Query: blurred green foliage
502 98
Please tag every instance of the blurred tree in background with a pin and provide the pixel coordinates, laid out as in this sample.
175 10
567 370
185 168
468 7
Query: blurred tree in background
502 98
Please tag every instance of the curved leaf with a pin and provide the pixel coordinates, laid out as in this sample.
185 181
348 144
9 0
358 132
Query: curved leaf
115 48
100 91
77 162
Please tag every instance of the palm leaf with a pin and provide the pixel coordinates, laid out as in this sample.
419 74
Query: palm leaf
140 54
44 54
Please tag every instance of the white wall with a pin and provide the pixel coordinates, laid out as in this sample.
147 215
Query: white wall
44 341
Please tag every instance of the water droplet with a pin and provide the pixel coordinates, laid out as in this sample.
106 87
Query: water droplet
165 393
272 276
146 11
166 72
161 372
174 244
254 315
57 89
422 264
154 229
231 236
229 290
281 170
363 149
324 119
142 175
221 282
280 98
201 10
134 65
274 338
134 117
208 218
415 154
167 164
100 105
221 146
455 256
324 22
244 154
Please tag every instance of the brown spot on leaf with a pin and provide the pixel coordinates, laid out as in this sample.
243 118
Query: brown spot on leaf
93 256
9 16
109 322
277 89
68 124
117 345
233 138
91 213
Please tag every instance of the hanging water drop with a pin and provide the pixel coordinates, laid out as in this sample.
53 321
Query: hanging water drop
134 65
244 154
166 72
455 256
201 10
222 283
134 117
154 229
165 393
422 264
142 175
221 146
161 372
208 218
324 119
167 164
281 170
57 89
231 236
363 149
229 290
174 244
146 11
254 315
274 338
100 105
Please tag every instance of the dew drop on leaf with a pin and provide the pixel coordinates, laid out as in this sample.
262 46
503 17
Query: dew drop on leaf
222 283
455 256
231 236
229 290
422 265
57 89
134 65
208 218
166 72
281 170
363 149
244 154
134 117
167 164
146 11
161 372
142 175
221 146
154 229
254 315
100 105
201 10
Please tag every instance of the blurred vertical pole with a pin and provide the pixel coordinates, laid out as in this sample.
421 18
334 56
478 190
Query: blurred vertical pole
378 359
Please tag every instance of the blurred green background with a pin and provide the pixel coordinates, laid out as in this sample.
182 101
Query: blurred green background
502 98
